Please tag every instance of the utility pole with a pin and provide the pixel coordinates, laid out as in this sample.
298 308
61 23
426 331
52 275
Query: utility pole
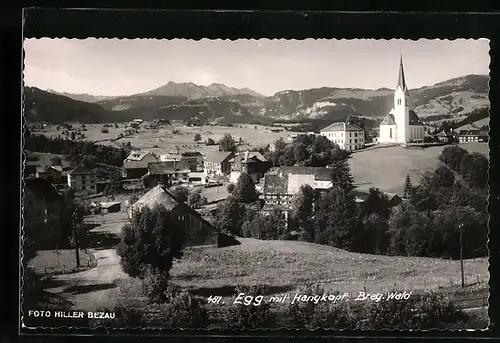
461 256
75 237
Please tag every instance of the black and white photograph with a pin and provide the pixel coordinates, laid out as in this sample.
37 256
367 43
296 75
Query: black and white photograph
255 184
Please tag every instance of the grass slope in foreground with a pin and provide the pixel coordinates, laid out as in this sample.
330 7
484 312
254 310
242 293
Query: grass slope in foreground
286 265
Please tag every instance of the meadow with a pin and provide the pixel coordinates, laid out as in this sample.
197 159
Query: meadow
286 266
386 168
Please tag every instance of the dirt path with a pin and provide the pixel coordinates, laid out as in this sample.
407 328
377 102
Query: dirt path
95 288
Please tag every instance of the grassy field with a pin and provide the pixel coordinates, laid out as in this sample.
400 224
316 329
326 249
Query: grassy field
163 139
61 261
386 168
286 266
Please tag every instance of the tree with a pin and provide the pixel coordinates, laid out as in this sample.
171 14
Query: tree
376 203
302 211
227 143
150 243
474 169
408 188
230 216
275 226
72 135
180 193
230 188
197 137
443 177
336 218
341 177
452 156
244 191
196 199
300 153
210 141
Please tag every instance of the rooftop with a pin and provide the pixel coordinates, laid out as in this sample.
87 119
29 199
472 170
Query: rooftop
81 171
137 155
217 156
340 126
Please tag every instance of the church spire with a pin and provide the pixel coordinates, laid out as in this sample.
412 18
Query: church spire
401 78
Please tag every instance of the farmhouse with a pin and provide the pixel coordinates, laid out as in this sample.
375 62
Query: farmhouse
196 229
281 184
250 162
471 134
448 136
346 136
136 164
42 212
192 159
51 173
216 163
82 179
165 173
401 125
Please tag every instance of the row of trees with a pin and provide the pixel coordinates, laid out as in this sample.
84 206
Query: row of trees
77 151
426 224
306 150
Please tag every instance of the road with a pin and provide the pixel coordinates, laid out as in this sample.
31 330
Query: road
95 288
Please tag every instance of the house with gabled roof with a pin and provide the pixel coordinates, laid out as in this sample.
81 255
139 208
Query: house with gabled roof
252 163
83 179
216 163
197 231
346 136
136 164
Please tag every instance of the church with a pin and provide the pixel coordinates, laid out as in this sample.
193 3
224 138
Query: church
401 125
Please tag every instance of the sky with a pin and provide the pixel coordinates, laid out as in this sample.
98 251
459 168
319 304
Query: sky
114 67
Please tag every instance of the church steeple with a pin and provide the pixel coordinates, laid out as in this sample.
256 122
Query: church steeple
401 78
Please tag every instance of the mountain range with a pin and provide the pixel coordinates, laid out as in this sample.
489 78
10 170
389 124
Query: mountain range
452 99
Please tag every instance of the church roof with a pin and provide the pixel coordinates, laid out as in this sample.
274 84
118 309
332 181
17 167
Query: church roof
414 119
401 77
388 120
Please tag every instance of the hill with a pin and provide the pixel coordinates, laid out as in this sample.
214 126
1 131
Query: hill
285 265
45 106
451 100
82 97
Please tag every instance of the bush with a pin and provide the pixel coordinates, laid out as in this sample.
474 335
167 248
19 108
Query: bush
158 289
104 130
250 316
321 315
230 188
184 311
427 311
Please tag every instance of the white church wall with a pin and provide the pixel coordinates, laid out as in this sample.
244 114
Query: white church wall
386 136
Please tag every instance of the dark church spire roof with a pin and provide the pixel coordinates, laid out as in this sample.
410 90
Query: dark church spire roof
401 78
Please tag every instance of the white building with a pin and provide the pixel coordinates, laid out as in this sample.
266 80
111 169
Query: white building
346 136
401 125
82 180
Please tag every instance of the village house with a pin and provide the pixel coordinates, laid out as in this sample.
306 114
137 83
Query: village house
471 134
197 178
165 173
216 163
449 136
82 179
250 162
197 231
282 183
346 136
42 212
53 174
136 164
193 159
